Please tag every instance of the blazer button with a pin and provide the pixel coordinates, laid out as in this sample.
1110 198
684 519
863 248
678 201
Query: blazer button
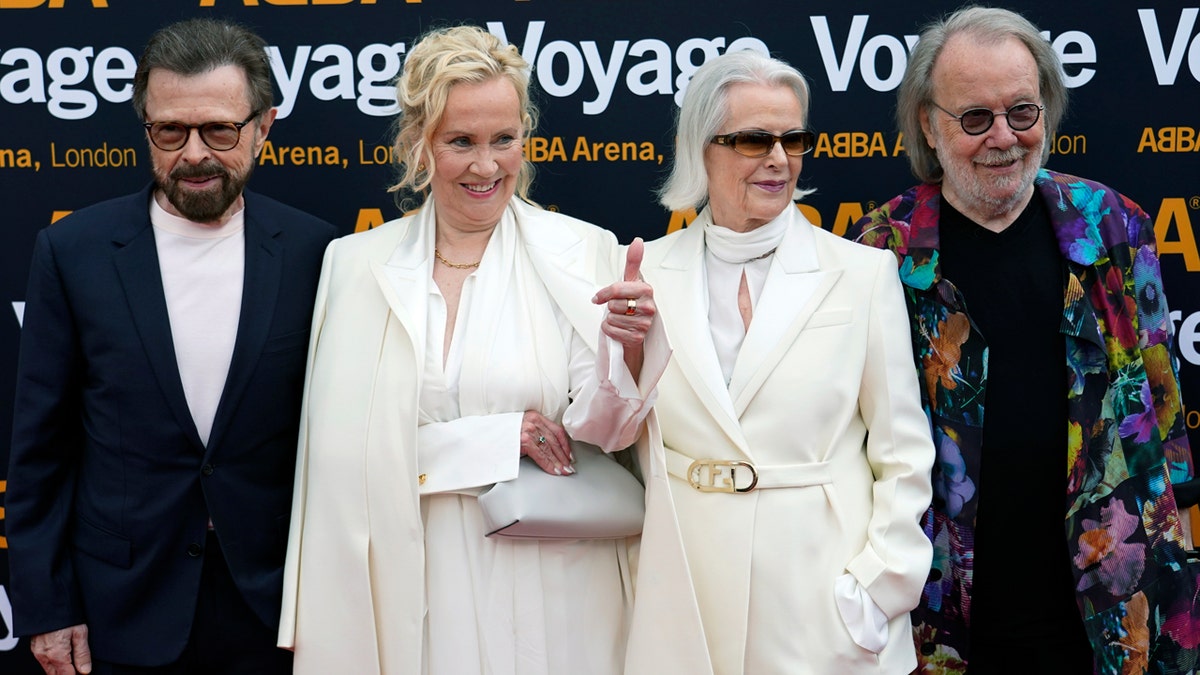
207 469
194 550
928 649
934 575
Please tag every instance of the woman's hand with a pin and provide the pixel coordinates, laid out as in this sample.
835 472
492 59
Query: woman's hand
631 308
546 443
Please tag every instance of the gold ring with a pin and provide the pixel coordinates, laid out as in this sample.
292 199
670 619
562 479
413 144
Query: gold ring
631 308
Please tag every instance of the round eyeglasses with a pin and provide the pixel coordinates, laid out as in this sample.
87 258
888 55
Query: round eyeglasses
760 143
975 121
171 136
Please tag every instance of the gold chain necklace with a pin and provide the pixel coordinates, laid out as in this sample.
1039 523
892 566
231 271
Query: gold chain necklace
457 266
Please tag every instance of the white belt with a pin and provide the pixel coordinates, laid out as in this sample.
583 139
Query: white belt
736 475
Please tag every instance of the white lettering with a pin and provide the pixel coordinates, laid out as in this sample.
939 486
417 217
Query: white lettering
868 64
605 78
19 310
1166 66
1085 54
658 66
114 63
8 642
68 67
838 73
289 83
651 76
22 85
1073 48
375 93
336 80
1187 336
545 69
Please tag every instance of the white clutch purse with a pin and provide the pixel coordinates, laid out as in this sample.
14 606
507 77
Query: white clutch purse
601 500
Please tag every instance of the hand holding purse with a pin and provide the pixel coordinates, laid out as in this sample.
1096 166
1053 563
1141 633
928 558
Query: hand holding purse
601 500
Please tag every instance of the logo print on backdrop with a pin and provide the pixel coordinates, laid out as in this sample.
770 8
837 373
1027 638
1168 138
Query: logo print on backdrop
49 4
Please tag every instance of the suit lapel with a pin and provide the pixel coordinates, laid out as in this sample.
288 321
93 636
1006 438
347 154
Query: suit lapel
794 289
561 258
262 276
401 268
136 260
679 293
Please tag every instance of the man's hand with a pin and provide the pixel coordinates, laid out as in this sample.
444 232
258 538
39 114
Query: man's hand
64 651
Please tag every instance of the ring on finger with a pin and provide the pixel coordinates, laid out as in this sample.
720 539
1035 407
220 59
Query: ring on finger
631 307
541 440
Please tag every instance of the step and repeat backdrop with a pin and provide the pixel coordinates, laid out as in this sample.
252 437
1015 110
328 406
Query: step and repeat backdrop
609 75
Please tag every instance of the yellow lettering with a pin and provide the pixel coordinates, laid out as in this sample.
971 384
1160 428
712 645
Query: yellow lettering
53 4
3 489
681 219
20 158
1147 140
1169 139
848 213
56 216
539 149
810 214
1174 211
368 219
898 148
380 154
581 150
878 147
254 3
1186 137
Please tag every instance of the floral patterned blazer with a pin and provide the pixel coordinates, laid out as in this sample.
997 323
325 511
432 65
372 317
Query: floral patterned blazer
1125 442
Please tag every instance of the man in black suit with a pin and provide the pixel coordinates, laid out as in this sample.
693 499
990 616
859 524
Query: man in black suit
158 389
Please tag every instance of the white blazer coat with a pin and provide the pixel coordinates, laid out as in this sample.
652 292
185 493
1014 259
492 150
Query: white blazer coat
354 591
824 400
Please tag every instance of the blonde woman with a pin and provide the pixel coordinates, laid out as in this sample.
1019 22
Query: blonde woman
446 345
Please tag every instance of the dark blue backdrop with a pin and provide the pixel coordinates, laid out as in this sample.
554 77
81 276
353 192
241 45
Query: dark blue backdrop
608 73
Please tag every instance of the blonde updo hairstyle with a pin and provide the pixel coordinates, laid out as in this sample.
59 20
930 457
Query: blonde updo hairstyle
440 59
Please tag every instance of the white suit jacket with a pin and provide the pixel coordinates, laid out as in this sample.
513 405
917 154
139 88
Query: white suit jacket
743 583
353 599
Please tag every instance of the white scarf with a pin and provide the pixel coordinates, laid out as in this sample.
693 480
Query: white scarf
509 356
729 254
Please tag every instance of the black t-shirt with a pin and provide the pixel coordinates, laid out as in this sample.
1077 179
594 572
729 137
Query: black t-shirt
1023 599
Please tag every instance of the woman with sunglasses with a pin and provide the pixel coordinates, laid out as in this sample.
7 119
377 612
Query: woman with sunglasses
788 455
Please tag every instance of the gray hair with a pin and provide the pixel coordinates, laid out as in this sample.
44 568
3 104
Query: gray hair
197 46
987 25
705 109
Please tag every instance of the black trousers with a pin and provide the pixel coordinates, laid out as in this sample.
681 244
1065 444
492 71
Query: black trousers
227 636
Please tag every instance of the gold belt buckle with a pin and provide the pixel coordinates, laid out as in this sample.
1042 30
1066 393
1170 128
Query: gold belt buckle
708 475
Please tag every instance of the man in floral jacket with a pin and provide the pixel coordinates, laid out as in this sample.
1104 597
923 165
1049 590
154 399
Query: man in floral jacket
1036 297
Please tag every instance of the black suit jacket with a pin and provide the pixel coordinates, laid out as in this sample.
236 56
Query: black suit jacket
109 488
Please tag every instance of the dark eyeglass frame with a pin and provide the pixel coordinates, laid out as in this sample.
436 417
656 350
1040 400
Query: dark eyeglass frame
202 129
962 119
734 139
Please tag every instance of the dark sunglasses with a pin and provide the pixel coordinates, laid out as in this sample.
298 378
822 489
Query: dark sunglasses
975 121
760 143
171 136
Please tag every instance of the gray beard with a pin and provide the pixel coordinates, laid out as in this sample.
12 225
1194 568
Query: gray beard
207 206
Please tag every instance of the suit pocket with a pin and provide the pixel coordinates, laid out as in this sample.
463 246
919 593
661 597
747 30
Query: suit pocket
286 343
831 317
102 545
